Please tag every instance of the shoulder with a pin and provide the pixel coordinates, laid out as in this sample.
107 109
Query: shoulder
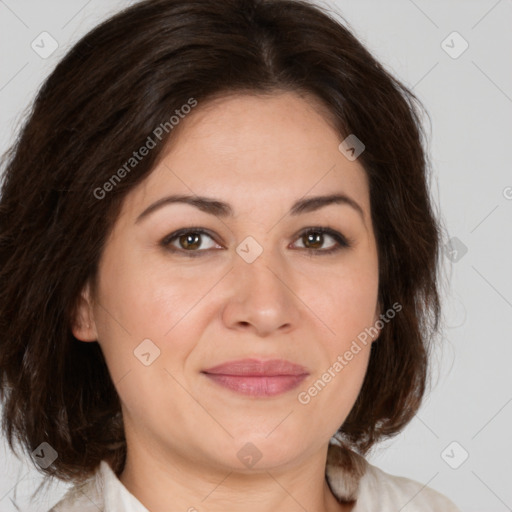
352 478
379 490
84 497
102 492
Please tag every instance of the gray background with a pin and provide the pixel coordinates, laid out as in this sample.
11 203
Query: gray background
469 99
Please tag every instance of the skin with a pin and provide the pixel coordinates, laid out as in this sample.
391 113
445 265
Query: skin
260 154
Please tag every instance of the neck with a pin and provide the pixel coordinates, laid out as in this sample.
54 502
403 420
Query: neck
163 482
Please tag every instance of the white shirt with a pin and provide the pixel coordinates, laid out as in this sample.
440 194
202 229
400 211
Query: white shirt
377 492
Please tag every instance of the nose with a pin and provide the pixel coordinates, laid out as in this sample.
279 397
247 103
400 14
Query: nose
262 300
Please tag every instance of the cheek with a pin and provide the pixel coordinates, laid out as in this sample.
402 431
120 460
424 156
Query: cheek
140 299
329 396
144 299
345 301
350 308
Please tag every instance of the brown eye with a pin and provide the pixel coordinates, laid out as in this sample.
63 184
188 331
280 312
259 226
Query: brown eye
190 241
313 239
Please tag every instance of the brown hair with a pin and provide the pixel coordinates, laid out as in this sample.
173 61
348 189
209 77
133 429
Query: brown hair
102 101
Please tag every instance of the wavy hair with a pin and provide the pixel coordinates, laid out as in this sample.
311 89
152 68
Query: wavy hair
102 101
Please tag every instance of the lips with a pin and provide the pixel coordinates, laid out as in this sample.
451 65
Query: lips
255 377
257 367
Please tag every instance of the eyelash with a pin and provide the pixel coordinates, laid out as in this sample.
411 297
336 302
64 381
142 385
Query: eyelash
342 241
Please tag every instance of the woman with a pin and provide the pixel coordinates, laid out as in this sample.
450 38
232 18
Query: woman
219 265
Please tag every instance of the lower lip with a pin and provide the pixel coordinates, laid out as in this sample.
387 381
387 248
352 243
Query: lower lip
258 385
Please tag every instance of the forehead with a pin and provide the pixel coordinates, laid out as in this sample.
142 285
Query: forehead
271 124
254 151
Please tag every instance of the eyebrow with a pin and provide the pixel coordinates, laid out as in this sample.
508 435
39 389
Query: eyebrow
221 209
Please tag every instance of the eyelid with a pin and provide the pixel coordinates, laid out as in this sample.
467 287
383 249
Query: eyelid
166 241
342 241
183 231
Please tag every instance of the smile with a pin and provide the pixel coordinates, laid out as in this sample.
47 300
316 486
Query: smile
254 377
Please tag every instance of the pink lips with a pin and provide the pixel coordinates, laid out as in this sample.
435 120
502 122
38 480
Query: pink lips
257 377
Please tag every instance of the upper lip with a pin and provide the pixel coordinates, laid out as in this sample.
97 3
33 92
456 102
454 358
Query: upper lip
258 367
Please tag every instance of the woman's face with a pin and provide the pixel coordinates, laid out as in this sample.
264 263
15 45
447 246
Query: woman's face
244 280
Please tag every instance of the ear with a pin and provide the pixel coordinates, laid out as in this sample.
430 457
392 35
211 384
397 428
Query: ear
83 324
